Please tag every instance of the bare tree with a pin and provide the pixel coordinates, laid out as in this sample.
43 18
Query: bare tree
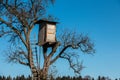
17 19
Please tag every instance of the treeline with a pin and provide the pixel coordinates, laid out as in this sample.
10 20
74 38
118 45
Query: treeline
85 78
58 78
15 78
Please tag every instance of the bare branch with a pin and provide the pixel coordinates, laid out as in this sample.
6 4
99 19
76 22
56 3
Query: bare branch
21 62
61 52
74 41
14 29
17 56
2 33
77 67
54 48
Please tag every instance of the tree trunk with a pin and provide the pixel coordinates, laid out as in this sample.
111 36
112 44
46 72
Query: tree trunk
45 69
36 76
35 72
40 74
32 66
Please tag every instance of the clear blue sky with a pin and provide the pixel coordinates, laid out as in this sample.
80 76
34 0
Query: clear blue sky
98 18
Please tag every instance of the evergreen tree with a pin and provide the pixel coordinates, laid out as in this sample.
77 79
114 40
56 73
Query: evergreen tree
8 78
98 77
